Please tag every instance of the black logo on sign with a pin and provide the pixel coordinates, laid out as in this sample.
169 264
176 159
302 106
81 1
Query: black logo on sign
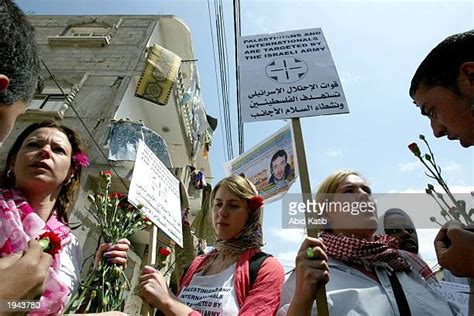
286 70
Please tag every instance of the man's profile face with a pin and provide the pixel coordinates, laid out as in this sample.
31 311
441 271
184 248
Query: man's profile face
450 114
8 116
278 168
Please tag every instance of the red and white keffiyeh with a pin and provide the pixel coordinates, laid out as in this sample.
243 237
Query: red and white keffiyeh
18 224
381 251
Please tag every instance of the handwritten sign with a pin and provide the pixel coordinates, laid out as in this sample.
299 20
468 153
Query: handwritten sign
287 75
270 165
156 188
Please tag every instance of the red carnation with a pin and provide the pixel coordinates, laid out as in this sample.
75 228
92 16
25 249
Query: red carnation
106 173
415 149
255 203
50 243
116 195
164 252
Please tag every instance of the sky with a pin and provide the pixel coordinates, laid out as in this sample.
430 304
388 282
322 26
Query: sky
376 46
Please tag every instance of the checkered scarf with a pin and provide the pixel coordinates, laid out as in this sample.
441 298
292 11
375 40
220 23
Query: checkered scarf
382 251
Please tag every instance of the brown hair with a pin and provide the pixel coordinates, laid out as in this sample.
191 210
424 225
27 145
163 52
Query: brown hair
68 191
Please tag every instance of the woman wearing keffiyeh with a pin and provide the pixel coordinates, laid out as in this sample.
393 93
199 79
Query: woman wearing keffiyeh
41 177
365 274
218 283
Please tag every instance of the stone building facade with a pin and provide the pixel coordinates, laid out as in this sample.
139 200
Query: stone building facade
97 62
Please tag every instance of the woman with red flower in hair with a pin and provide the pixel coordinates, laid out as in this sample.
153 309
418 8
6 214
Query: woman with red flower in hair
228 280
40 180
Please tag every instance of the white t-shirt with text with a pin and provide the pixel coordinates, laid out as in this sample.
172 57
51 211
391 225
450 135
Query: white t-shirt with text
212 295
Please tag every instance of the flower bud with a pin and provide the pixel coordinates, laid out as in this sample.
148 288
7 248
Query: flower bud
117 271
106 175
415 149
91 198
454 212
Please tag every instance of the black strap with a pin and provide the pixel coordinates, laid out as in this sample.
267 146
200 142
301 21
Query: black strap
255 264
400 297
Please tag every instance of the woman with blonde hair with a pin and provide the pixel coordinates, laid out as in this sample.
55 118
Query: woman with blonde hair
235 278
365 274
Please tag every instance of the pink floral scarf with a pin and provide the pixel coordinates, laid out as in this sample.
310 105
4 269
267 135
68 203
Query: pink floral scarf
18 224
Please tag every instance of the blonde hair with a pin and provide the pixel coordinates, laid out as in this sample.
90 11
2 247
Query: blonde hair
330 184
238 185
251 235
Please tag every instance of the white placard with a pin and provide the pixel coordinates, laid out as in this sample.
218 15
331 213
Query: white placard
287 75
157 189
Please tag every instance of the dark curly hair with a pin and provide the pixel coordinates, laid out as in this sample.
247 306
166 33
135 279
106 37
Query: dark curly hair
68 191
441 66
19 59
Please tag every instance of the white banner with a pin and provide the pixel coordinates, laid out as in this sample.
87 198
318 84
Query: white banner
157 189
287 75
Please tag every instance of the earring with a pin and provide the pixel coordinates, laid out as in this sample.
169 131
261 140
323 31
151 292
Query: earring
68 180
10 173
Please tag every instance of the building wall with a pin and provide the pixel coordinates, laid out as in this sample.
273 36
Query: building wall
121 55
101 76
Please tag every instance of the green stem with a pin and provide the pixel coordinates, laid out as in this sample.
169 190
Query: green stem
429 149
439 204
171 265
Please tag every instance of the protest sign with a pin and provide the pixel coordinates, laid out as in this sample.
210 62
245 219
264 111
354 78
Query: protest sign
288 75
157 189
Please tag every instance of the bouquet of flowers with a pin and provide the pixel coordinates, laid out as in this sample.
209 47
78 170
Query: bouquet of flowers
450 207
105 286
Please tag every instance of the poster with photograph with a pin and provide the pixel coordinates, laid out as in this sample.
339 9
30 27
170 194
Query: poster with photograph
270 165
